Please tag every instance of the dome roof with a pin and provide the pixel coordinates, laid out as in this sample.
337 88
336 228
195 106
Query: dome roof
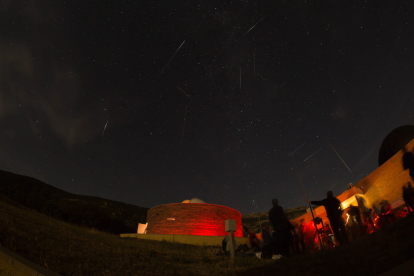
196 200
394 142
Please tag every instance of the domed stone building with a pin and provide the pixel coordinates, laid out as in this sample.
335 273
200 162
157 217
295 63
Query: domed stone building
192 217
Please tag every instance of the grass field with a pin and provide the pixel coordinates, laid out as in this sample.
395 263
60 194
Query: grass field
73 250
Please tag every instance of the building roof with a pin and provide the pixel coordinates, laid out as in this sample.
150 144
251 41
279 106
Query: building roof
194 200
394 142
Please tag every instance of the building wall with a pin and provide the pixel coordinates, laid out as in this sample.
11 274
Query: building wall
192 219
321 212
386 182
197 240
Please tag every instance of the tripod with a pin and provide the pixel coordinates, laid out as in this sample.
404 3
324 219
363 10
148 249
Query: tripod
321 234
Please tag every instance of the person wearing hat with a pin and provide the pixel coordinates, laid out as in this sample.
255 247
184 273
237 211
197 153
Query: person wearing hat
280 226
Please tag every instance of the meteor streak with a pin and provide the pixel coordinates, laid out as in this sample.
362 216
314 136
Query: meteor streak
105 127
294 150
184 92
339 156
312 155
162 71
254 26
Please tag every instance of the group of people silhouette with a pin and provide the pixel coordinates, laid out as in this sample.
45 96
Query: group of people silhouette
288 239
282 238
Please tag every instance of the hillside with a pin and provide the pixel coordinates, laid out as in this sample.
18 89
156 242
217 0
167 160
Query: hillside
89 211
254 220
72 250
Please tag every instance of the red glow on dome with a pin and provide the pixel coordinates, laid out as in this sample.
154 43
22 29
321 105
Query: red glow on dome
196 219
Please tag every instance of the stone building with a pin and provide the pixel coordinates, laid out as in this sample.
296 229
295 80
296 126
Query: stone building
386 182
192 217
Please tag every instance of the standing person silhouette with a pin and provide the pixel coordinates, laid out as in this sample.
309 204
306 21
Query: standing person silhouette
334 211
279 223
408 199
355 214
408 162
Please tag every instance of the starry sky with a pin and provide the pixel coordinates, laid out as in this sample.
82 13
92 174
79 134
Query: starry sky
155 102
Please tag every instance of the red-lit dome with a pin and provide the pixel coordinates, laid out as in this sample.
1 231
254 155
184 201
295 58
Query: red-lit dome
197 219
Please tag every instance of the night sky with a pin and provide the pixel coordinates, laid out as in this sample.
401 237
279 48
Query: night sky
158 102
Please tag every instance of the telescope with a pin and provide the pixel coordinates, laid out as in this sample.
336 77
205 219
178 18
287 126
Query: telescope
317 219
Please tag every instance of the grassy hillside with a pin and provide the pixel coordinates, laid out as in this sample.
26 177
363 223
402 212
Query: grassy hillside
74 250
94 212
89 211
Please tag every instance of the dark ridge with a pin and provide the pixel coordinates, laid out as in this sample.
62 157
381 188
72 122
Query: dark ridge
89 211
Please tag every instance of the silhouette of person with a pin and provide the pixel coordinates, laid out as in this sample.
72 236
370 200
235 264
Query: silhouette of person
289 240
279 223
410 189
387 213
302 232
355 215
408 199
334 211
310 236
267 245
296 235
368 220
408 162
254 240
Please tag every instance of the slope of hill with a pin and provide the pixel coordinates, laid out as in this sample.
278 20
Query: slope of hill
72 250
93 212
